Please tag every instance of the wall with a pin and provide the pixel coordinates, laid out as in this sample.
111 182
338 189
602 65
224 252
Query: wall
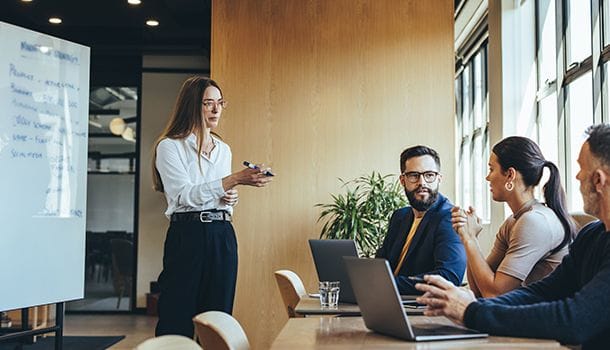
322 90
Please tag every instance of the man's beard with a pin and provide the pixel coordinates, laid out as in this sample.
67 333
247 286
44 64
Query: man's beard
420 205
589 197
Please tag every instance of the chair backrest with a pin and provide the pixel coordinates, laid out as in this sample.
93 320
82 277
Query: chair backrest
219 330
122 256
169 342
582 219
291 288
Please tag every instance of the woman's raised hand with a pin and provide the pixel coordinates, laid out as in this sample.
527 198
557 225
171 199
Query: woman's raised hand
254 177
466 223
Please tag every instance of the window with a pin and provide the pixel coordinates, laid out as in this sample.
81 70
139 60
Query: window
472 119
567 88
578 15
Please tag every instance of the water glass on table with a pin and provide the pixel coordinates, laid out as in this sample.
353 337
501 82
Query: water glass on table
329 294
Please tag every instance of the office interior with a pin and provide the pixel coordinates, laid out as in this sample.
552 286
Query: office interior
319 90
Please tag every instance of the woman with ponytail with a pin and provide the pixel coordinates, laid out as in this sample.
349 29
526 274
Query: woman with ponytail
531 242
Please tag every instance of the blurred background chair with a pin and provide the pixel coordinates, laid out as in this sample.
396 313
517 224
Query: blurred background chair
582 219
169 342
220 331
291 288
122 267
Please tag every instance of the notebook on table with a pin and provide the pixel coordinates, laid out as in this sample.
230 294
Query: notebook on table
381 307
328 258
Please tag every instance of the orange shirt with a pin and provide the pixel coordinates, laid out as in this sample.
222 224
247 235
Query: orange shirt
405 248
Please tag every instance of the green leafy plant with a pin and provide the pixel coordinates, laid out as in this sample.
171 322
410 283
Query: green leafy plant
363 212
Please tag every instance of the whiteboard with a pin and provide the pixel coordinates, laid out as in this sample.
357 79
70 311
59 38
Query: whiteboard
44 108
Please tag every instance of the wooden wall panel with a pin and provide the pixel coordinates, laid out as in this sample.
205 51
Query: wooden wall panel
321 90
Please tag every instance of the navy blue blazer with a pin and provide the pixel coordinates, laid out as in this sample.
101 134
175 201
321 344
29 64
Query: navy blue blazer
435 249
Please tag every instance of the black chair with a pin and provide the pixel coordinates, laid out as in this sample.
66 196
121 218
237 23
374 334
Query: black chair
122 267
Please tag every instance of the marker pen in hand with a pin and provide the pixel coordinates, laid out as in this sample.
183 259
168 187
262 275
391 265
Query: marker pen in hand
254 166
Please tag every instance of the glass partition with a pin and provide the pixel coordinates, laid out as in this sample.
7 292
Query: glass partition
111 192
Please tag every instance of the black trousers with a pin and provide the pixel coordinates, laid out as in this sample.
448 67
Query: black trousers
199 274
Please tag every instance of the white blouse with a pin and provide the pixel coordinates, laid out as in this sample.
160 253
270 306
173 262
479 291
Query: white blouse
187 188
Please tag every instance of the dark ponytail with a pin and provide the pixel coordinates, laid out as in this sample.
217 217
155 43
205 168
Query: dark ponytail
555 199
525 156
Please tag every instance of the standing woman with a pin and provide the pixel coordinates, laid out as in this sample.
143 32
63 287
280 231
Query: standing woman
531 242
193 169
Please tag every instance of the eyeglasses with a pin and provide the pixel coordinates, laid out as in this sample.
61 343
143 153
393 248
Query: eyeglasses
209 105
413 176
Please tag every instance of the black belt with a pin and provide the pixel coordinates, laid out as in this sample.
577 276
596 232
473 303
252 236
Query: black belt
202 216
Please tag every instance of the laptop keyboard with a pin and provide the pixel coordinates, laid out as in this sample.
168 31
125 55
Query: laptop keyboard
433 329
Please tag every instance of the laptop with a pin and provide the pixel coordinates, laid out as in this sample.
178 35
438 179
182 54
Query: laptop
381 308
328 258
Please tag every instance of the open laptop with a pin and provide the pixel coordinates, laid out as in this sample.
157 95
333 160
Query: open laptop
328 257
381 308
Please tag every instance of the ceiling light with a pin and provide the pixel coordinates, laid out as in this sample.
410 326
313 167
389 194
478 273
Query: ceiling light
134 2
117 126
55 20
26 0
152 22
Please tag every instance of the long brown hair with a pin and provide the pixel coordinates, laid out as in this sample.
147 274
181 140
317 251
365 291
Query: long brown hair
185 119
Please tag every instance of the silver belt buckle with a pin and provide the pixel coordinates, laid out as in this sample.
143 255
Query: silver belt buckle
206 216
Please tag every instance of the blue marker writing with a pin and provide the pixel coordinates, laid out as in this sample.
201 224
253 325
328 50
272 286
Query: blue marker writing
254 166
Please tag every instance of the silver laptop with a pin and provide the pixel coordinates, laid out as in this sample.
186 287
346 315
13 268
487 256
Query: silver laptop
328 257
381 308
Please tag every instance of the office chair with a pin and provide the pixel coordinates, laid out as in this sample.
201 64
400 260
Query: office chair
169 342
219 330
122 267
291 288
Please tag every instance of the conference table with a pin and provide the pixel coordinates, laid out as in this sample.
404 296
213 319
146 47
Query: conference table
311 307
351 333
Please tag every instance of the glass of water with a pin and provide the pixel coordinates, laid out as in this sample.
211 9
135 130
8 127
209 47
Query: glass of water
329 294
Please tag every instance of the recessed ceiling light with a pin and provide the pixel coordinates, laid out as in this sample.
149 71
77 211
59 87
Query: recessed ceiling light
55 20
152 22
26 0
132 2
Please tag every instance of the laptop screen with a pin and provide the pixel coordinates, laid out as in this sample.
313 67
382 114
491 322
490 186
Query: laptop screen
328 258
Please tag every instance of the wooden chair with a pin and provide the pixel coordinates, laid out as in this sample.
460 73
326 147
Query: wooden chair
219 330
169 342
581 219
291 288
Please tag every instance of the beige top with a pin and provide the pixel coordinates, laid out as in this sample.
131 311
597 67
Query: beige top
524 241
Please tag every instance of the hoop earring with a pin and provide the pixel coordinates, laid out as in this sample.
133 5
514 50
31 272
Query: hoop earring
509 186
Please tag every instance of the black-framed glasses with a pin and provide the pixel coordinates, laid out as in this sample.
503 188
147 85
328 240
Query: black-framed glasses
209 105
413 176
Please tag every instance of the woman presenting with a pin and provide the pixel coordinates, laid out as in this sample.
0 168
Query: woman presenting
192 167
531 242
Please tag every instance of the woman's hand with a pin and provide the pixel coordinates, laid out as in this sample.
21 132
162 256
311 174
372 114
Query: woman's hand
230 198
247 176
466 223
444 299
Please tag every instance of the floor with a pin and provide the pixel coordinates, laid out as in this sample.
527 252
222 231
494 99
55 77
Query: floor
135 328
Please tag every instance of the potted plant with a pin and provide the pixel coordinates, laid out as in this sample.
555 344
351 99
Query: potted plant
363 212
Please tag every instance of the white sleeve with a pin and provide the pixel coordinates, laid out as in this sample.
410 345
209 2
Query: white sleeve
177 183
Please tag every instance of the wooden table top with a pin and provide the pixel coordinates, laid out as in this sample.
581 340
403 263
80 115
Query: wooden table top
311 306
351 333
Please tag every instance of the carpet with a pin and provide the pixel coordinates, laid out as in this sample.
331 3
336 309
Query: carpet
70 343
